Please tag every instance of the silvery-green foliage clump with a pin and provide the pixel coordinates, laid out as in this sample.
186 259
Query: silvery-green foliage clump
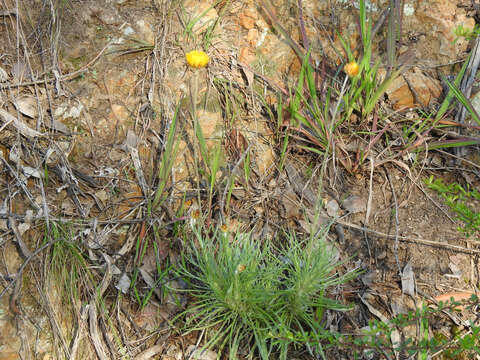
247 292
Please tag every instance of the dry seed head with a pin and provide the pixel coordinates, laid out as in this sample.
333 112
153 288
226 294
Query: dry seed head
351 69
240 268
197 59
195 214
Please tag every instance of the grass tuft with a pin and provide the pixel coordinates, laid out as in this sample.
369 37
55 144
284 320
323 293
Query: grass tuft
246 292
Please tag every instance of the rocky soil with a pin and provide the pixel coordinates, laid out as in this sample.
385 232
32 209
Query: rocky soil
87 95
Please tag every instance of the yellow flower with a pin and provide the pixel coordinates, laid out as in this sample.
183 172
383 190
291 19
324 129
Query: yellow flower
351 69
224 230
197 59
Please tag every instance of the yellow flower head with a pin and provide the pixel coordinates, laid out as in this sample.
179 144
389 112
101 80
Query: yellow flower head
197 59
351 69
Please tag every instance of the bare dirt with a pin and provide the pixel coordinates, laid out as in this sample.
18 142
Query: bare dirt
99 81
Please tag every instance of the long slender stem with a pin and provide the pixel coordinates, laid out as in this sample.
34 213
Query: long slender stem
333 122
195 131
330 131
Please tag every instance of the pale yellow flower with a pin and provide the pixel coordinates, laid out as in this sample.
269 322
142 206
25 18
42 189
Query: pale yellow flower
224 230
351 69
197 59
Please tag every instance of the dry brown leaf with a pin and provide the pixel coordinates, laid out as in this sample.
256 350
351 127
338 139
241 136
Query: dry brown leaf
150 352
57 126
94 332
27 105
19 125
3 75
201 354
20 71
408 280
395 337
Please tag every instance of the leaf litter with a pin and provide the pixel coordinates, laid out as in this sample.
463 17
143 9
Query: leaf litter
108 179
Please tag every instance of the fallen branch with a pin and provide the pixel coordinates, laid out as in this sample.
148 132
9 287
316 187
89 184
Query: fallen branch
411 239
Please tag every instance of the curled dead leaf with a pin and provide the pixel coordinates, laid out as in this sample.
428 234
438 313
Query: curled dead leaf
27 105
20 125
3 75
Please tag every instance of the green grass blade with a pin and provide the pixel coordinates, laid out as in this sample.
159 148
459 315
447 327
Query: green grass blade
167 160
455 90
446 102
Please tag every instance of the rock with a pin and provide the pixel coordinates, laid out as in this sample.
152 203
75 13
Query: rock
9 355
333 209
199 354
120 113
437 20
128 31
65 112
145 30
278 56
265 157
74 112
252 38
121 85
408 9
247 18
246 55
60 110
106 14
425 88
399 94
203 13
212 126
354 204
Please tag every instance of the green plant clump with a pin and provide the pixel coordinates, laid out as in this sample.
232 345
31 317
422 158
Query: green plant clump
457 198
376 339
466 32
247 292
